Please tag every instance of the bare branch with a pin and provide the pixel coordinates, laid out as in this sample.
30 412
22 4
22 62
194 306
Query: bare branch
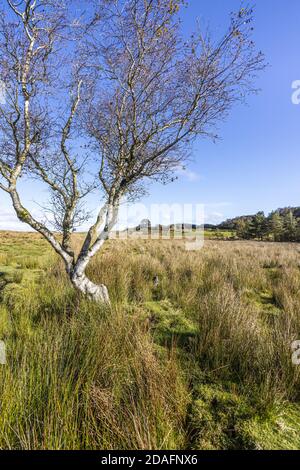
104 100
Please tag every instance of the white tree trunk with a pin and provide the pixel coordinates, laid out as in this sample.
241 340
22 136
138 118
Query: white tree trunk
97 293
80 281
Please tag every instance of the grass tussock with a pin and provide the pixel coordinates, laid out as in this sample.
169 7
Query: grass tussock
200 359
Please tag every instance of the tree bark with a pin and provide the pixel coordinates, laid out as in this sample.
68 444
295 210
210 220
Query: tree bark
95 292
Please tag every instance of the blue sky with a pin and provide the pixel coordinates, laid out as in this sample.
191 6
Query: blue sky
256 165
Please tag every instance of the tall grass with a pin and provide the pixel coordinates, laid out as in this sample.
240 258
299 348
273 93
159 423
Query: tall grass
89 381
210 343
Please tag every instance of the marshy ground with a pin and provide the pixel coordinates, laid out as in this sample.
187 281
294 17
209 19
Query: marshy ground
200 359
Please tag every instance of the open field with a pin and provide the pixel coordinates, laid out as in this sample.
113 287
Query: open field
200 361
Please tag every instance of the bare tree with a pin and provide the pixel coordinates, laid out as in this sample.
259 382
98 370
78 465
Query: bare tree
135 93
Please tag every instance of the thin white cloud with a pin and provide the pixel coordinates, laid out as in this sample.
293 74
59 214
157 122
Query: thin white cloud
188 174
213 213
9 221
214 218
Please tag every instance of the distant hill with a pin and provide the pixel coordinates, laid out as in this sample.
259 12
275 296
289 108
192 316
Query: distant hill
145 225
231 224
234 225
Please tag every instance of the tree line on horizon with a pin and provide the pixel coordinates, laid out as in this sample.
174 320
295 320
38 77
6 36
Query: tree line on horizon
282 225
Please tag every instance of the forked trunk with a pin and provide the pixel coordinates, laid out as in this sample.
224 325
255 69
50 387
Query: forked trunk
95 292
